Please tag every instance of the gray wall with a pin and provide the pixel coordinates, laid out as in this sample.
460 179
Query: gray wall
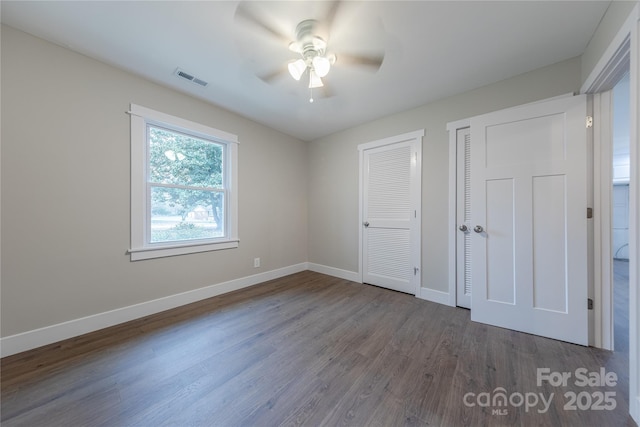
65 190
333 168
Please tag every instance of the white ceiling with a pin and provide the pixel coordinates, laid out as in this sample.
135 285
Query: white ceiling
433 49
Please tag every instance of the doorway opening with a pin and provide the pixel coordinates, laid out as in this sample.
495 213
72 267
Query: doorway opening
620 213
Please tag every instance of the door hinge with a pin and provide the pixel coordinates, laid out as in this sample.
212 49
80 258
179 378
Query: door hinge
589 122
415 271
589 213
589 304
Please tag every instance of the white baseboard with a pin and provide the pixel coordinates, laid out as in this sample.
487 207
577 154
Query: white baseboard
335 272
435 296
432 295
50 334
38 337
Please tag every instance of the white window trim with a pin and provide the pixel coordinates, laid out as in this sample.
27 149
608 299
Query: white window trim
140 248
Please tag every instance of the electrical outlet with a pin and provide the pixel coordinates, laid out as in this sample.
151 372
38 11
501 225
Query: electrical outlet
256 262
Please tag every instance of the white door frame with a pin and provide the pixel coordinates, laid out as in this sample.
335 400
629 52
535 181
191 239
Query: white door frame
624 47
602 234
416 200
615 62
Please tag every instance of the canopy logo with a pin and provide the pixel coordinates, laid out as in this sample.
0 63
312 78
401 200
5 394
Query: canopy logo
499 400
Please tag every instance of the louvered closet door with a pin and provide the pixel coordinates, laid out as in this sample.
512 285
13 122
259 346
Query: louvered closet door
463 215
387 217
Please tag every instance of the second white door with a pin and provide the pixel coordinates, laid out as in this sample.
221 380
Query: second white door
529 226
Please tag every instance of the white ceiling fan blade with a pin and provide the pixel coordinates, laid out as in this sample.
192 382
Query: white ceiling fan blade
246 14
372 61
271 76
331 14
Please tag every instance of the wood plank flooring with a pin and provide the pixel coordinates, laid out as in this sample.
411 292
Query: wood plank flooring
307 349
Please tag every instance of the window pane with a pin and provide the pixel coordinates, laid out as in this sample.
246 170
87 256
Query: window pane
175 158
178 214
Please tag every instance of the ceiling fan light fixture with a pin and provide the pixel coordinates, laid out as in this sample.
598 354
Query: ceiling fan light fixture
297 68
321 65
314 80
295 47
319 44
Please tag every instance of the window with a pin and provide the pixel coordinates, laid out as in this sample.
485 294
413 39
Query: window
183 186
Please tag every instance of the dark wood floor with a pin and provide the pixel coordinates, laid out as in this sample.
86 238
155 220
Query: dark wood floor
306 349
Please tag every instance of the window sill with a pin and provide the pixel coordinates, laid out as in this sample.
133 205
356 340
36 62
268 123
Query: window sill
140 254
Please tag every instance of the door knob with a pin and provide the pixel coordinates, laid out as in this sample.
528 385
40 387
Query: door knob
366 223
478 229
463 228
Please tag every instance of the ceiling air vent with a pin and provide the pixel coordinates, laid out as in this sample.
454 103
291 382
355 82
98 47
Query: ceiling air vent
182 74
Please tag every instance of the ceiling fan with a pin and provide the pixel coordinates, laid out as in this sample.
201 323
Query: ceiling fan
314 59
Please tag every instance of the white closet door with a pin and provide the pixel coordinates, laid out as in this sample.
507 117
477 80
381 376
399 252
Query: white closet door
463 218
390 245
